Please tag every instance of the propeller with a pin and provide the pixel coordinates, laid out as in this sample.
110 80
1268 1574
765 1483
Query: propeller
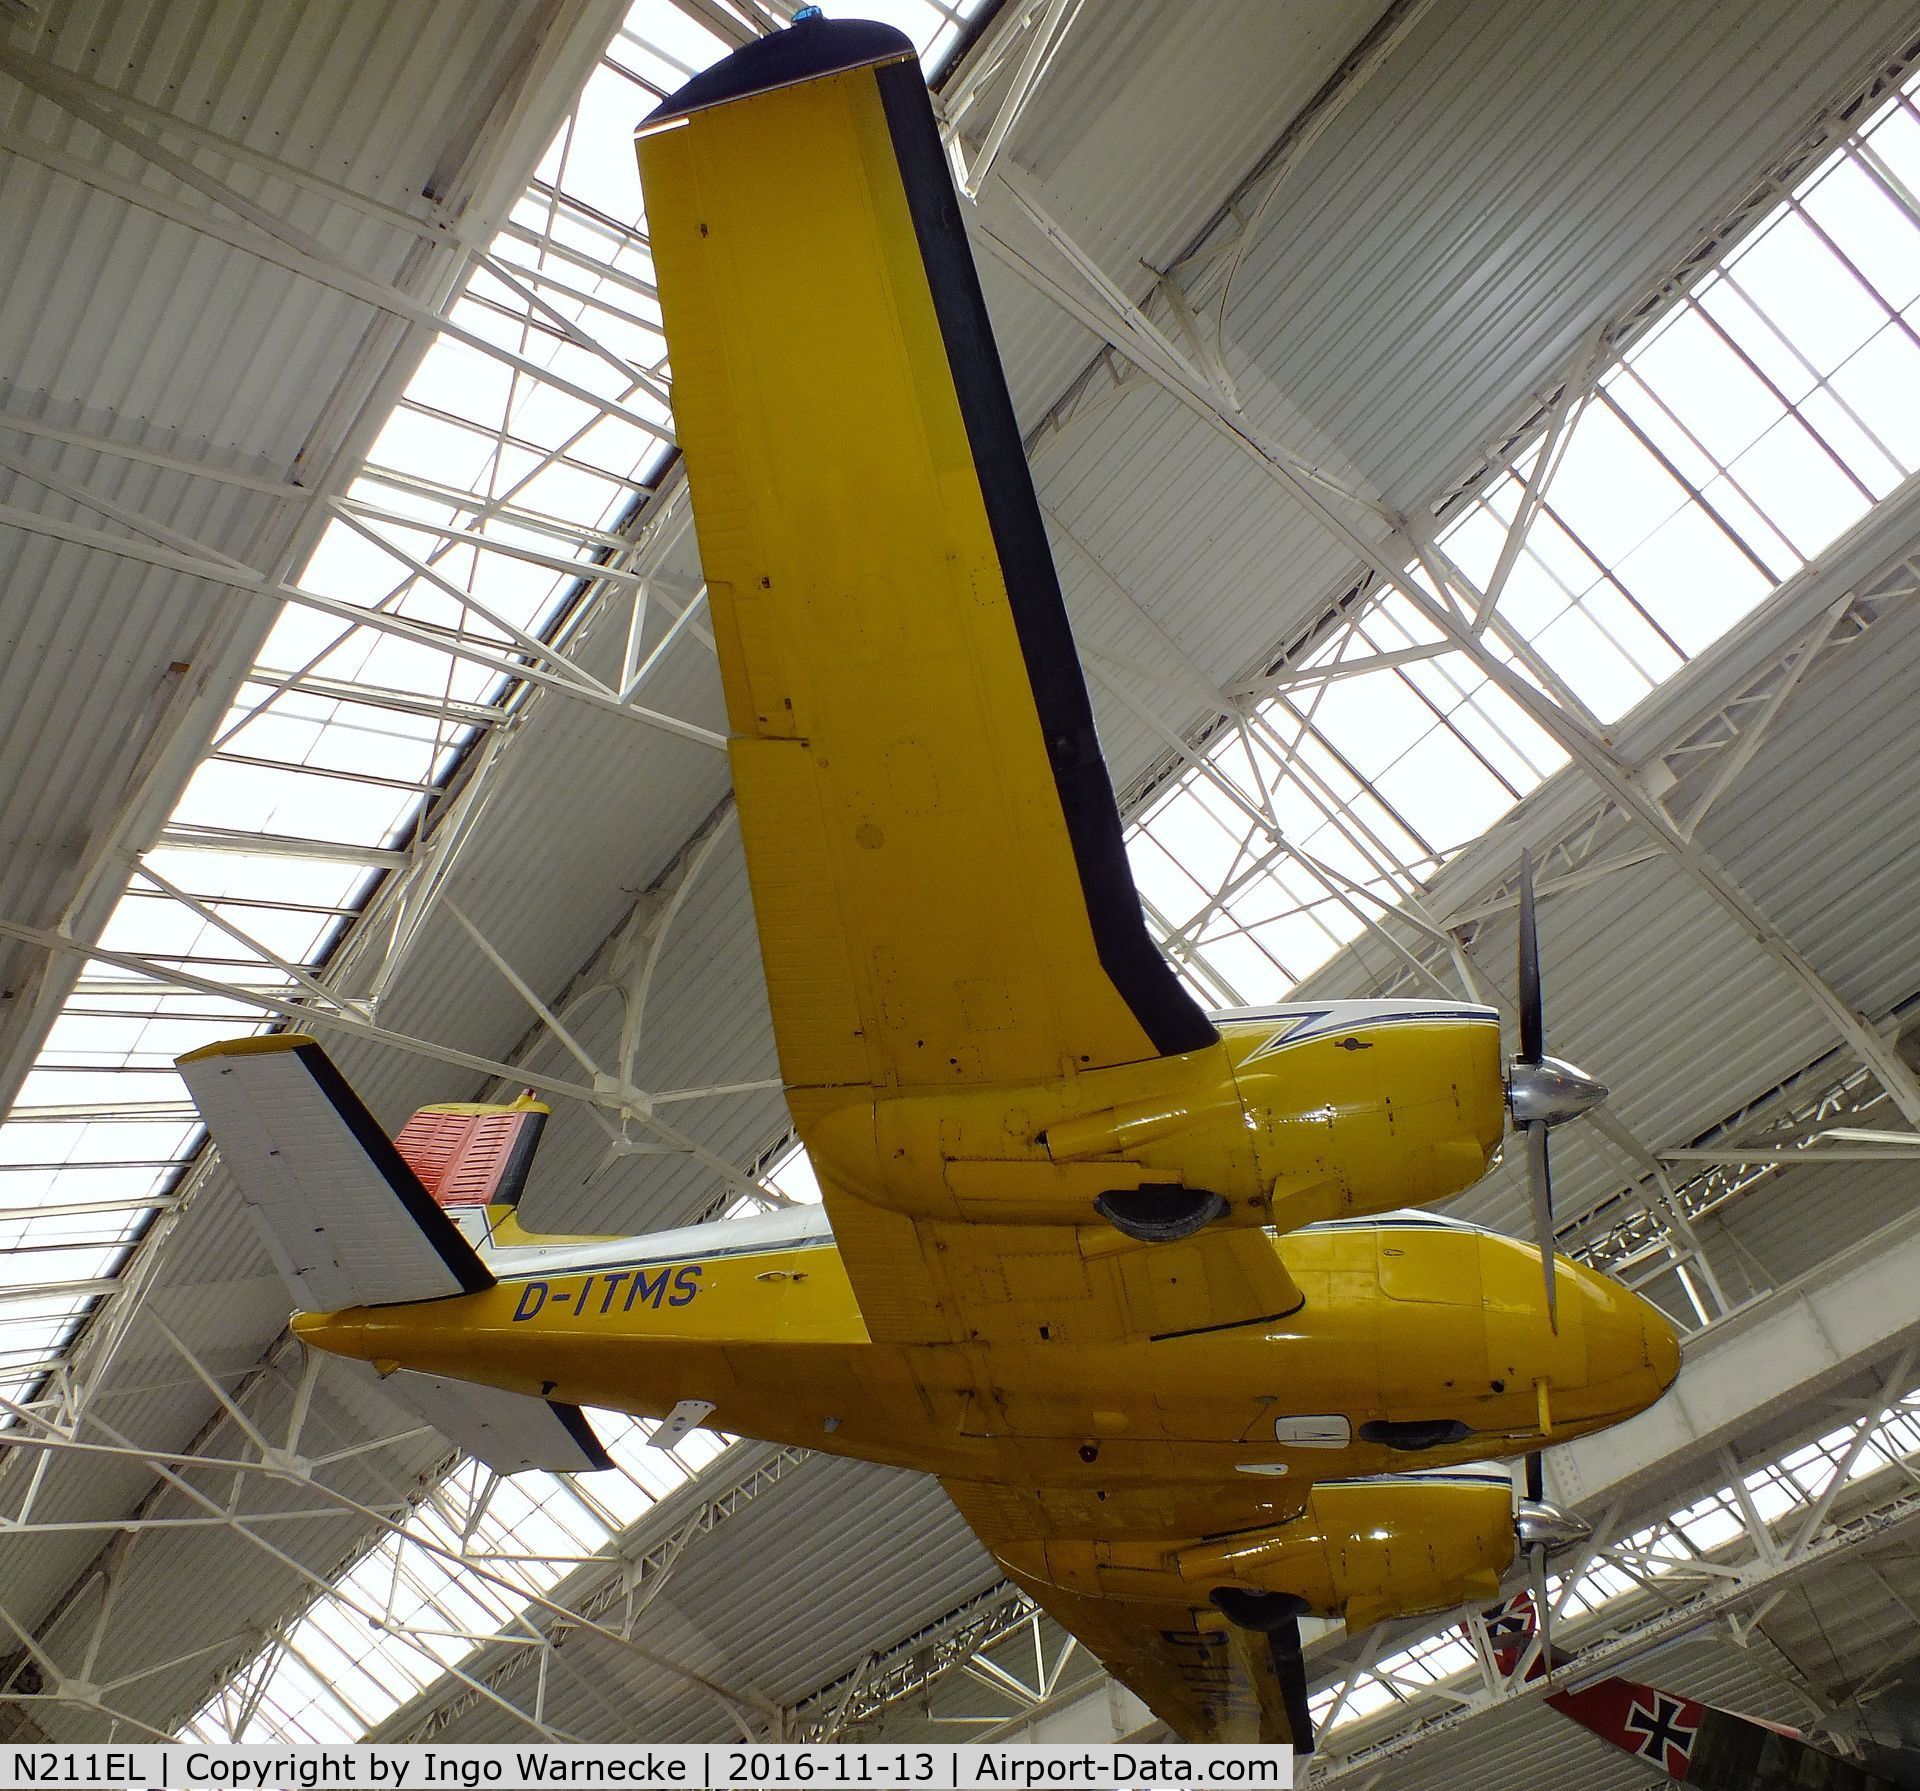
1541 1530
1542 1091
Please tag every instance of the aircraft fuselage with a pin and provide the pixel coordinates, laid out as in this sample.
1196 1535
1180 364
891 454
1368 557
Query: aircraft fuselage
1432 1330
1402 1341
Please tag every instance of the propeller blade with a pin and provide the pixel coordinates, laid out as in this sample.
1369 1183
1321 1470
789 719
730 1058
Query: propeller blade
1543 1613
1533 1025
1283 1641
1536 1477
1540 1194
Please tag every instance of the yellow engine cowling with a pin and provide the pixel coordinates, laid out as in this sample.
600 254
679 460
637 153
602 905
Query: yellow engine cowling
1365 1550
1401 1107
1373 1549
1358 1108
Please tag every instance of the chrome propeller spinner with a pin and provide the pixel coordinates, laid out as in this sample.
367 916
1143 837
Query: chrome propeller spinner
1539 1525
1552 1090
1542 1091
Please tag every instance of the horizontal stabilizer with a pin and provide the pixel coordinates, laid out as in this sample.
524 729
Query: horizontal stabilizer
510 1432
346 1220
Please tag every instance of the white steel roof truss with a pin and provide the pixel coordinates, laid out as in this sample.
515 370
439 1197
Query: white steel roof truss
329 682
1424 614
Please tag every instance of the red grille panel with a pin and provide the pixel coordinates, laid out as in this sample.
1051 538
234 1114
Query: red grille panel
459 1157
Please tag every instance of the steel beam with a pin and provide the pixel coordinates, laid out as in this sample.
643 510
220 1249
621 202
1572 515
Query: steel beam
621 1581
263 235
554 673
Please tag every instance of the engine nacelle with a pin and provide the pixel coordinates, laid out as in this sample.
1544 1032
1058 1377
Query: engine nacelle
1295 1116
1365 1550
1373 1549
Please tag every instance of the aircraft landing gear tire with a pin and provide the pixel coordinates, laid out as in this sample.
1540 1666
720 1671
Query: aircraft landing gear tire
1262 1612
1161 1213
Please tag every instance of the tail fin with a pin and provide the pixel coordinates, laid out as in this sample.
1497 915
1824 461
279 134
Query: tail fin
345 1217
473 1160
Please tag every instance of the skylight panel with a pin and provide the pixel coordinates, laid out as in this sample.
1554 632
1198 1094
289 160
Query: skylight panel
1379 719
1820 308
1508 742
922 20
38 1313
62 1231
286 800
1760 417
43 1265
663 45
336 736
1445 784
1802 486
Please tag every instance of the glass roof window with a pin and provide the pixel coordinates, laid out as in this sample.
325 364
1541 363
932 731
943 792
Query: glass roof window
1762 414
489 496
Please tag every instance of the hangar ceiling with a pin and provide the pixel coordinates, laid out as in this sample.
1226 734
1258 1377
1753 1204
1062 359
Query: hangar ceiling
1300 310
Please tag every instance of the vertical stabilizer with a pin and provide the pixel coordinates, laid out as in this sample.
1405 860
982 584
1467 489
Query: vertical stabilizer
473 1160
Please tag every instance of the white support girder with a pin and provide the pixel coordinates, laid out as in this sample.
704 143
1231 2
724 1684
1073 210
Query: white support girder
1769 1357
625 1102
172 463
429 219
623 1580
34 1433
1045 23
261 233
1381 539
551 670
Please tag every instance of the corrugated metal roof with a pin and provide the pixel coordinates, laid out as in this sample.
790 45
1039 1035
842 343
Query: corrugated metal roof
1509 179
140 331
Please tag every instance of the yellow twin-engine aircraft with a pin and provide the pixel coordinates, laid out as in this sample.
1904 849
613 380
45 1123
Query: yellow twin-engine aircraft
1105 1264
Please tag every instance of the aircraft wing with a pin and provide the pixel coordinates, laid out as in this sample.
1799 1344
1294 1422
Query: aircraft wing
946 1282
1202 1676
1205 1679
931 836
1691 1742
1697 1744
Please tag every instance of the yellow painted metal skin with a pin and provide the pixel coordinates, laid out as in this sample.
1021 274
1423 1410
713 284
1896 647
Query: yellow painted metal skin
1369 1549
1106 1414
1397 1324
920 913
967 1078
1111 1478
1362 1119
527 1103
268 1041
